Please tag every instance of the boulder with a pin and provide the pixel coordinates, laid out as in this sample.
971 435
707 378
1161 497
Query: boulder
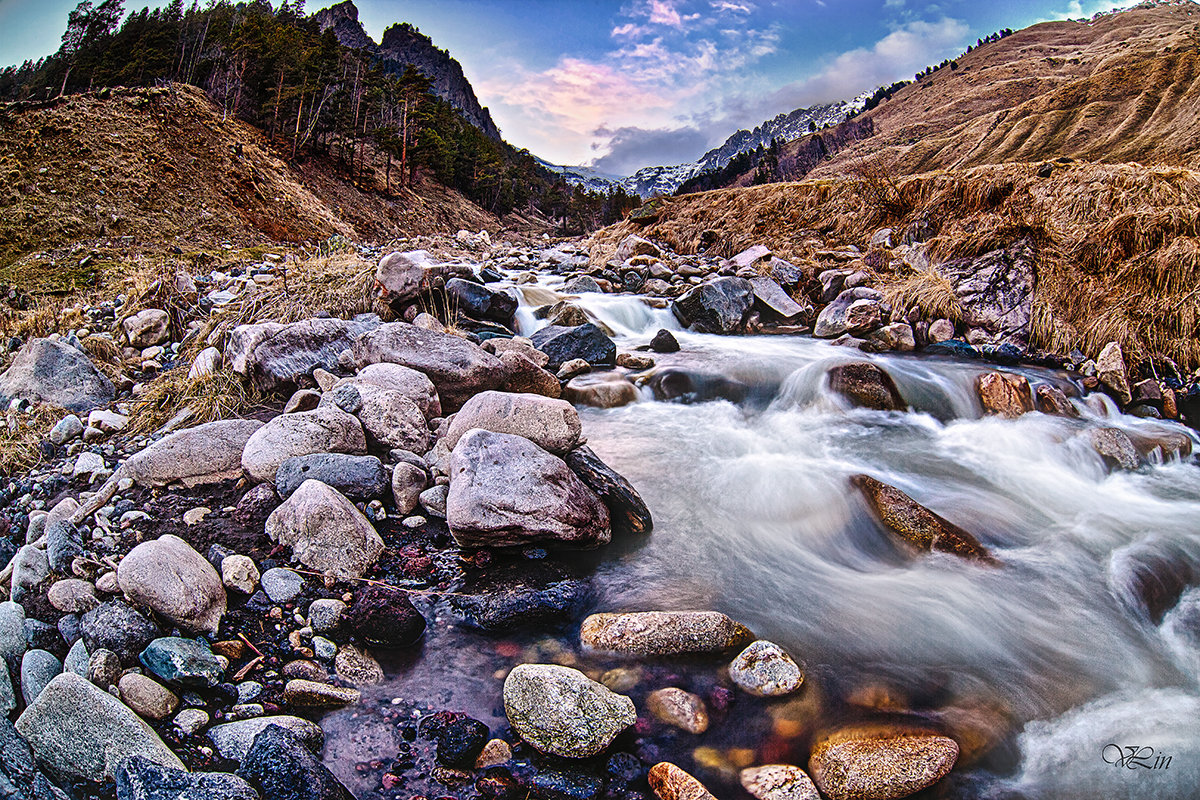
866 385
551 424
688 385
357 477
720 306
879 762
171 579
770 298
117 628
1004 394
633 245
325 531
384 617
679 709
1115 447
458 368
1052 400
283 768
765 669
479 302
778 782
601 390
390 419
207 453
896 336
519 345
414 385
843 316
669 782
663 633
146 328
234 739
626 510
995 290
507 491
565 314
20 777
275 357
563 344
138 778
327 429
560 711
664 342
83 733
913 523
583 284
52 372
401 276
1110 370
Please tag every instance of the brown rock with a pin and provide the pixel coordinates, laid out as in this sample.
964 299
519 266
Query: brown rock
866 385
662 633
1005 394
601 390
778 782
1051 400
669 782
915 524
301 692
524 375
880 762
1110 370
678 708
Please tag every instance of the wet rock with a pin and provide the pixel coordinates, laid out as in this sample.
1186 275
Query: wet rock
1115 447
140 779
765 669
117 627
563 344
384 617
720 306
630 361
678 708
627 511
955 348
357 667
551 424
669 782
915 524
843 316
458 368
860 762
282 768
201 455
517 595
560 711
866 385
312 694
480 302
357 477
778 782
566 314
507 491
85 732
327 429
38 668
148 698
460 739
1110 369
661 633
494 753
325 531
170 578
1004 394
664 342
234 739
189 663
562 785
275 357
1051 400
694 386
770 298
601 390
52 372
582 284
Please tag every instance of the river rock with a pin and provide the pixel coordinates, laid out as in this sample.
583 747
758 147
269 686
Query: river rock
458 368
516 595
1110 369
147 697
627 511
1115 447
146 328
83 732
401 276
73 596
778 782
117 627
275 357
563 344
720 306
1052 400
843 316
312 694
408 482
234 739
679 709
66 429
866 385
256 505
765 669
283 768
38 668
104 668
551 424
325 531
770 297
8 694
601 390
689 385
479 302
170 578
562 712
391 420
866 762
663 633
526 377
1004 394
915 524
357 667
384 617
140 779
31 568
239 573
63 543
12 633
207 363
188 663
565 314
633 245
357 477
414 385
207 453
664 342
327 429
507 491
669 782
56 373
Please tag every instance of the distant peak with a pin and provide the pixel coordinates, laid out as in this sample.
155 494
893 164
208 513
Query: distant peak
345 10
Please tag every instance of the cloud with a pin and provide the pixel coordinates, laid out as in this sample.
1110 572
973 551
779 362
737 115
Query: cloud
900 54
631 148
726 7
663 12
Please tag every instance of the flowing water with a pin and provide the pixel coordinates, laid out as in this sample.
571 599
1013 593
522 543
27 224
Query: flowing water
1047 658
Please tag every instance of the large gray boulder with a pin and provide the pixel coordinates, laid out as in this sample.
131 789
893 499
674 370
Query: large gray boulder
326 429
457 367
390 419
20 778
507 491
359 477
233 739
207 453
856 310
561 711
325 531
171 579
720 306
995 290
414 385
552 425
52 372
274 357
81 732
402 275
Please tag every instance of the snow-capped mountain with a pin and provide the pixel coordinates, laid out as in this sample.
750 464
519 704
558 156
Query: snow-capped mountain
588 177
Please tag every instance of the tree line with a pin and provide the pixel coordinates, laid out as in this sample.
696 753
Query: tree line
310 95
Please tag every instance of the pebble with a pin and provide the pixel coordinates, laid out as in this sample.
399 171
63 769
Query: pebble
88 464
678 708
194 516
239 573
281 585
147 697
413 522
669 782
191 720
249 691
323 648
300 692
764 669
325 615
494 753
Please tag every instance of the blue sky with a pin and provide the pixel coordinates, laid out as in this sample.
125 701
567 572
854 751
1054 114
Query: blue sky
623 84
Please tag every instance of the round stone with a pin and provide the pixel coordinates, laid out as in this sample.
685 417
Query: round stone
765 669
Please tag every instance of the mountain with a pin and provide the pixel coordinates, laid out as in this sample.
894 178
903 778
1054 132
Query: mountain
589 178
404 45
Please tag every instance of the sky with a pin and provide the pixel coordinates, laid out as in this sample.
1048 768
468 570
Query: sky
623 84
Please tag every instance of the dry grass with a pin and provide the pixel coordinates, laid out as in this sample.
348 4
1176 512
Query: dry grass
20 435
929 292
221 395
